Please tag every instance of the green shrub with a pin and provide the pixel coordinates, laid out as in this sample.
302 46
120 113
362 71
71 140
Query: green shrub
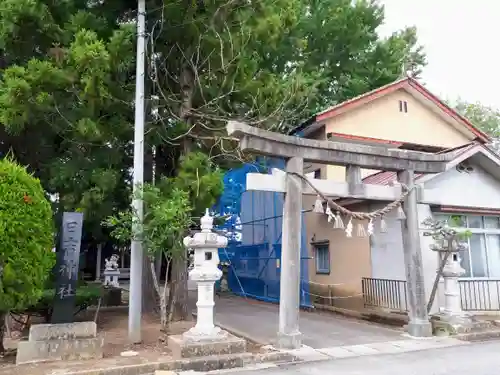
26 238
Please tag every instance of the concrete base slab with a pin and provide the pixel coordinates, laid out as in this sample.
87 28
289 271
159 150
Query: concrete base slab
387 347
289 340
59 350
185 348
419 329
337 352
307 354
362 350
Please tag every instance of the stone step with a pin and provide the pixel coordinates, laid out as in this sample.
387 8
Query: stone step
480 335
59 350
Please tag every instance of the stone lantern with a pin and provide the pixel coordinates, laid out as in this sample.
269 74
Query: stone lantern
205 273
448 243
205 339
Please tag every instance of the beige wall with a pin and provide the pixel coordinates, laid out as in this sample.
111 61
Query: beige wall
349 260
381 119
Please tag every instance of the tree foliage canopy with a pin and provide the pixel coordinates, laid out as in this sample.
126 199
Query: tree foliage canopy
68 68
170 206
484 117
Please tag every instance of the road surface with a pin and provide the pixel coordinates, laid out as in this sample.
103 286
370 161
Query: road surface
473 359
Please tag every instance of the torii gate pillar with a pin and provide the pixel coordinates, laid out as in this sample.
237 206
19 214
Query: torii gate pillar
297 150
289 336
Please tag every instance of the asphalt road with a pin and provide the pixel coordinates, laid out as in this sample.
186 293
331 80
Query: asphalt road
473 359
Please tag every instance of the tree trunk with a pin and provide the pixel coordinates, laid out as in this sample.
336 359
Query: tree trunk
150 298
164 308
444 259
158 266
2 330
178 298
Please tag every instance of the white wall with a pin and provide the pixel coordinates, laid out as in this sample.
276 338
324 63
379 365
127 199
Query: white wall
454 188
387 259
387 254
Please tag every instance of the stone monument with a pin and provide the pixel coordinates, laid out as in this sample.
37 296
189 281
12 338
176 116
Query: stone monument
205 339
63 339
111 271
67 267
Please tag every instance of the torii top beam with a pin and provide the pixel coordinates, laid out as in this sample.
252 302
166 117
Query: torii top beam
263 142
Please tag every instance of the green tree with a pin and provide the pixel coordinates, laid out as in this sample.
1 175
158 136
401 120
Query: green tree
484 117
66 91
270 63
26 235
168 210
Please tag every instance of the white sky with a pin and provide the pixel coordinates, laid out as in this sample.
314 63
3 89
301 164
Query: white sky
462 43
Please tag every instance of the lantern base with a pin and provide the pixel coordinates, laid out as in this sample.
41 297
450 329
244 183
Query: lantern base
182 346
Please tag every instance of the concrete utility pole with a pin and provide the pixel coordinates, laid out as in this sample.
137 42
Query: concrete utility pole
135 296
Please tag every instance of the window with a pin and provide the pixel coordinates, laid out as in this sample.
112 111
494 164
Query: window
314 174
403 106
482 258
322 259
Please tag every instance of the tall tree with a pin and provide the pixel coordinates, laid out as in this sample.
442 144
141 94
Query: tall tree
65 101
484 117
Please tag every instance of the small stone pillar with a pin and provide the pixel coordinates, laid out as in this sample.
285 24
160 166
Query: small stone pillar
205 338
452 301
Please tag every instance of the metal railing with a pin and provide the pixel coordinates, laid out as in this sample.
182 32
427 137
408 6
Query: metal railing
385 293
480 295
475 294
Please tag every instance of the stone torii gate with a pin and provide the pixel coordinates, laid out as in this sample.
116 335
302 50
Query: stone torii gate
296 151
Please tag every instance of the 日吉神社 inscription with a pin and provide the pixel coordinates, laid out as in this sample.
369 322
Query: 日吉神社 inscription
66 269
295 151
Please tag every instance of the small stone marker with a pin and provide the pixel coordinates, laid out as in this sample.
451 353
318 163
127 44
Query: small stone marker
67 267
60 342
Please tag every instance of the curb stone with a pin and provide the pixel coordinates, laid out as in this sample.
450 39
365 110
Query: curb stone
479 336
307 354
198 365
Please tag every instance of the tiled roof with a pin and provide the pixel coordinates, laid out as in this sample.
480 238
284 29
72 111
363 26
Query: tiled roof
383 178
